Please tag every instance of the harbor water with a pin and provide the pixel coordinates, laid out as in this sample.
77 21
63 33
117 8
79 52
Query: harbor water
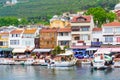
81 72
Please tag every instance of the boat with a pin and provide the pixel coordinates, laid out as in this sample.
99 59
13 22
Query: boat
101 60
66 59
29 61
86 61
6 61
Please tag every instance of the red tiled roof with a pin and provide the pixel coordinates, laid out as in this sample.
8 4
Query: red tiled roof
87 18
97 29
30 31
17 31
4 33
114 24
64 30
49 30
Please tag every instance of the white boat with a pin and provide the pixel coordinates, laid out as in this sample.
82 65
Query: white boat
117 64
86 62
101 60
29 61
44 62
66 59
6 61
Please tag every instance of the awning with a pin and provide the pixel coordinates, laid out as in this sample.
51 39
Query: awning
18 50
104 49
115 50
79 47
6 49
89 49
67 53
41 50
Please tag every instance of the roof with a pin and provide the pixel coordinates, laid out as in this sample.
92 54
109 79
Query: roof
49 30
64 30
16 31
4 33
29 31
87 18
97 29
114 24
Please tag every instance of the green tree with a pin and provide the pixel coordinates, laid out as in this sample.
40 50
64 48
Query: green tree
100 15
57 50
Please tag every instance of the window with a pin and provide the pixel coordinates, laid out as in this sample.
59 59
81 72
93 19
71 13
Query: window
61 34
108 30
64 42
108 39
117 30
1 43
85 28
118 39
84 37
66 34
27 43
14 42
75 28
76 38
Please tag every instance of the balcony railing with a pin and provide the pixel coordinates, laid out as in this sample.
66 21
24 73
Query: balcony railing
96 44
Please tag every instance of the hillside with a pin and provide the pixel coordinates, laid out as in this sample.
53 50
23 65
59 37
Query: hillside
33 8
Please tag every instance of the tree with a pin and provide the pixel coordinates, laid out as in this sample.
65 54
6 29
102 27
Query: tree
57 50
100 15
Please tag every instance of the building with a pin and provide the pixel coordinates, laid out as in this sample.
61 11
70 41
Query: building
28 38
82 30
4 37
64 37
48 38
111 33
15 38
59 22
97 34
96 37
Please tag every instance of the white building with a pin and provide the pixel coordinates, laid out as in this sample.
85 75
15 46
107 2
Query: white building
111 33
64 37
97 34
28 38
82 30
15 38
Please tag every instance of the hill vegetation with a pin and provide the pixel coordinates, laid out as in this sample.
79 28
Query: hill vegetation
36 8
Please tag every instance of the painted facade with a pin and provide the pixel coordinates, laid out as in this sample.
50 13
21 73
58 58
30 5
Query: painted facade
111 33
59 22
64 37
4 37
48 38
15 38
28 38
82 30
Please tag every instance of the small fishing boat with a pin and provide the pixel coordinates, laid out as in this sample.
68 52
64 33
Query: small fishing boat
101 60
65 60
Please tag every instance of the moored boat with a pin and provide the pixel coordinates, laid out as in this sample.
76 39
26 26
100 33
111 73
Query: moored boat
64 60
101 60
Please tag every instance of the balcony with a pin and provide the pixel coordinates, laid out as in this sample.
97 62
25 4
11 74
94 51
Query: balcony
96 44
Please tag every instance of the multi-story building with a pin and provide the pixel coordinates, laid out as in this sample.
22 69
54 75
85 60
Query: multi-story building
96 37
48 38
64 37
59 22
82 30
15 38
28 38
111 33
4 37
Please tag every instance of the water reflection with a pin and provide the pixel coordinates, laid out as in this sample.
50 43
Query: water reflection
82 72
